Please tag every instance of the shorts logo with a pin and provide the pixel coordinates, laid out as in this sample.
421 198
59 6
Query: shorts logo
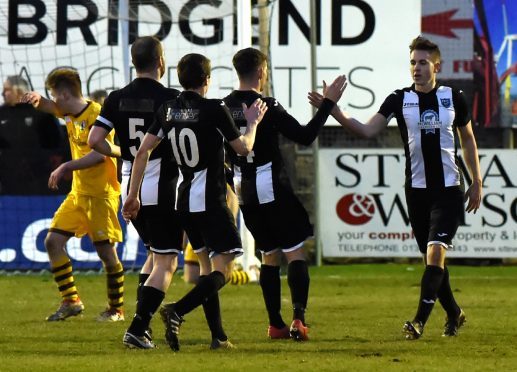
446 102
441 235
355 209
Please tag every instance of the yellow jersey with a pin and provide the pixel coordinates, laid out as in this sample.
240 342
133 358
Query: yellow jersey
101 179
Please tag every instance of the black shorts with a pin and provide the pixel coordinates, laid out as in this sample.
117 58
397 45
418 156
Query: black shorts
214 229
282 224
435 215
160 229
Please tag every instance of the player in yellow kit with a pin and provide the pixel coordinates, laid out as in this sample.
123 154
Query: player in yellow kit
91 206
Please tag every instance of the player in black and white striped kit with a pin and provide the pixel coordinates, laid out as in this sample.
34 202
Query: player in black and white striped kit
273 214
130 112
195 128
427 115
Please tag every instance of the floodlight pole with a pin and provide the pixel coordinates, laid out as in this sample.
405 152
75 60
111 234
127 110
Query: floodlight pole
124 37
263 11
244 32
244 24
315 145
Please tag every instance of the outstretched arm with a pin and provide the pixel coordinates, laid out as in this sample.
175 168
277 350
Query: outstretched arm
470 154
87 161
41 103
368 130
97 141
306 134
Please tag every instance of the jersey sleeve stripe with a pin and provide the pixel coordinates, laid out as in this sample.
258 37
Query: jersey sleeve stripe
103 120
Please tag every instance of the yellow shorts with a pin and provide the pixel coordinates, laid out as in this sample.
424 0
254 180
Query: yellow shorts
79 215
189 256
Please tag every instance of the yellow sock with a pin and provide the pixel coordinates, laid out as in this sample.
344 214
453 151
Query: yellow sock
62 272
115 280
239 277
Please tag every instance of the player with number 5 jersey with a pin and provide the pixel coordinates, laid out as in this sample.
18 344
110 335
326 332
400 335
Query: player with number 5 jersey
130 112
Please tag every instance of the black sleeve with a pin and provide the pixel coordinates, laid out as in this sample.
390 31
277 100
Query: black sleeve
157 127
49 132
390 105
228 172
462 116
107 115
291 128
224 121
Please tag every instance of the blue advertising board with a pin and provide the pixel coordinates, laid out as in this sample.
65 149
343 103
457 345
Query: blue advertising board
24 222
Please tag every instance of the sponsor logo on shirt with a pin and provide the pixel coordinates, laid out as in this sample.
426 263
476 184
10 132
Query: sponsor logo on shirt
410 104
182 115
237 114
429 120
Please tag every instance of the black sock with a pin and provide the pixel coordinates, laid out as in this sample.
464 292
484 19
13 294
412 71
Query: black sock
205 287
150 300
142 278
431 282
298 280
447 298
212 311
271 290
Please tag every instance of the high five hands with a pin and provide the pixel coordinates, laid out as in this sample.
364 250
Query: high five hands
334 91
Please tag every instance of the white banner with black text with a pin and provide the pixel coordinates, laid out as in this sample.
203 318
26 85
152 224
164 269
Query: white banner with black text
363 213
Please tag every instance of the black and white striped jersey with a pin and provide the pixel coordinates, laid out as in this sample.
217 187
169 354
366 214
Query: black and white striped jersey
261 177
130 111
196 128
427 123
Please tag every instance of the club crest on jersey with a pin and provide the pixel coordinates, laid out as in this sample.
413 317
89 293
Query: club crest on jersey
429 121
81 125
446 102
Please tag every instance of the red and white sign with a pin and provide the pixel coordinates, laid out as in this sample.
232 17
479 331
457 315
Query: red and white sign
362 208
450 24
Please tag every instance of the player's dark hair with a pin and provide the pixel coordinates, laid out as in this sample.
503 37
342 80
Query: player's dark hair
64 78
421 43
145 53
193 69
247 61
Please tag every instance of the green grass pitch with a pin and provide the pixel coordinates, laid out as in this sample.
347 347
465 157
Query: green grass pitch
355 313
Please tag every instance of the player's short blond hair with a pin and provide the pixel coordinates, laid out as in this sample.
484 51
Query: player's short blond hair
64 78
